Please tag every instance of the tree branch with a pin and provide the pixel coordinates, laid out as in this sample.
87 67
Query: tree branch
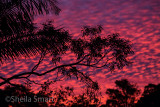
18 76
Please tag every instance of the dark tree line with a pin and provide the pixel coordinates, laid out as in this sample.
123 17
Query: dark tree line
125 94
150 96
19 36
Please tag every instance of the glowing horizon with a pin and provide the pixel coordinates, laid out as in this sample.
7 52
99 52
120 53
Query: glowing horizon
138 21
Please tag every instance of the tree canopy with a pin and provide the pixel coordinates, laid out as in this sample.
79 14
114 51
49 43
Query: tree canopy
150 96
124 96
17 30
19 37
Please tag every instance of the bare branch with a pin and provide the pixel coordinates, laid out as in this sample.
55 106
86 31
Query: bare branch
18 76
2 78
33 81
40 60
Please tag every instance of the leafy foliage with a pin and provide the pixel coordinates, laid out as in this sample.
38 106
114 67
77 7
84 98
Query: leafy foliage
124 95
110 51
17 36
150 96
17 15
89 98
62 96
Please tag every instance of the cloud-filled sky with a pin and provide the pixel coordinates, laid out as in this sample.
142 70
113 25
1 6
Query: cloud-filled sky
136 20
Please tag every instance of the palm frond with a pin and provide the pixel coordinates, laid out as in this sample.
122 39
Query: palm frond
17 36
16 16
49 39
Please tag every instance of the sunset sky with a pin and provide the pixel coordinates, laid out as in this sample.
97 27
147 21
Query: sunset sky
136 20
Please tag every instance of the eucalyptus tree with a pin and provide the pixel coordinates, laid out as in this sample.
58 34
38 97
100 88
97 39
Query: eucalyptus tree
19 37
124 95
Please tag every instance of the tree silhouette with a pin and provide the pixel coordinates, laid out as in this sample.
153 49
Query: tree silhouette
124 96
62 95
22 96
19 37
89 98
150 96
96 51
17 31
